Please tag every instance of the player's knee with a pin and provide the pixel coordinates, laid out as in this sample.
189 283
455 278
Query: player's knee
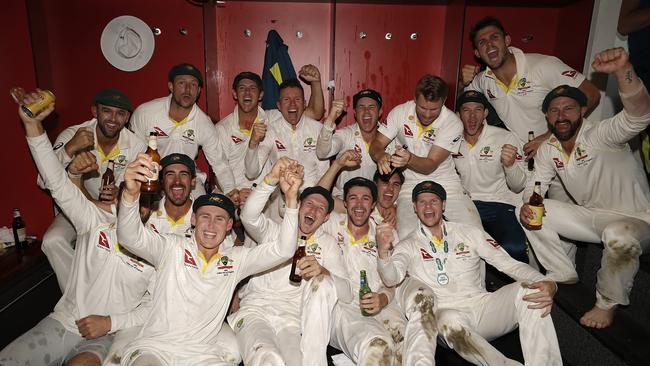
84 359
621 247
264 354
379 351
449 321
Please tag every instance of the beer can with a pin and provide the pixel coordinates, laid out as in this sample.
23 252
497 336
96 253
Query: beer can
33 109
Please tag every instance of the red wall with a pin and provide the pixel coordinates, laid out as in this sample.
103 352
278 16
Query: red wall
236 52
542 23
19 174
69 61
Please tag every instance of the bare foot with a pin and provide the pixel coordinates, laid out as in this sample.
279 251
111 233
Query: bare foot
598 318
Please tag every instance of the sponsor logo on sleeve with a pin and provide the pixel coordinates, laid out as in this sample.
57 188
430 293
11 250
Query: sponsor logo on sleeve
102 241
58 146
159 132
280 146
570 73
492 242
559 164
407 131
188 259
425 255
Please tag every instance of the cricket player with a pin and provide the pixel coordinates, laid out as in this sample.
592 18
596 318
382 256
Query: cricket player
595 164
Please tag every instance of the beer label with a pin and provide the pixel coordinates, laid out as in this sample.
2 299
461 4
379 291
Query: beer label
538 212
154 172
21 234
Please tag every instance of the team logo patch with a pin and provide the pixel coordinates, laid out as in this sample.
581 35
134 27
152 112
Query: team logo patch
486 152
309 144
58 146
188 135
570 73
407 131
236 140
582 157
120 160
159 132
102 241
489 93
189 260
492 242
559 164
462 249
280 146
425 255
225 266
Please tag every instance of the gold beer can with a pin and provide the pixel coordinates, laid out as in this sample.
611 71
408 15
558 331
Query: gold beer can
33 109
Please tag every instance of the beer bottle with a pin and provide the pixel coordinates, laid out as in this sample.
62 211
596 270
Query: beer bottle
531 161
152 186
363 290
20 234
294 276
536 204
108 178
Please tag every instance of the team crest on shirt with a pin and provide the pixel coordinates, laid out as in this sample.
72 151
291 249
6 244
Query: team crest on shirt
429 136
280 146
236 140
135 263
523 86
159 132
314 250
188 135
188 232
102 241
369 248
225 266
188 260
425 255
582 157
462 250
309 144
570 73
120 161
407 131
492 242
489 93
559 164
340 240
486 154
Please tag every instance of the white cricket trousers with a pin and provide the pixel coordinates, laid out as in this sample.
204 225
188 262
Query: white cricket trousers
468 327
624 239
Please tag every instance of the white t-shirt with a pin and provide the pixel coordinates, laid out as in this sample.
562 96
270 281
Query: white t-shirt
445 132
601 171
184 137
127 148
520 107
483 175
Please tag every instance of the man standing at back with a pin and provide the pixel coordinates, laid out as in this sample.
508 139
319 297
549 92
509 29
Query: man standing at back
427 134
182 127
516 82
